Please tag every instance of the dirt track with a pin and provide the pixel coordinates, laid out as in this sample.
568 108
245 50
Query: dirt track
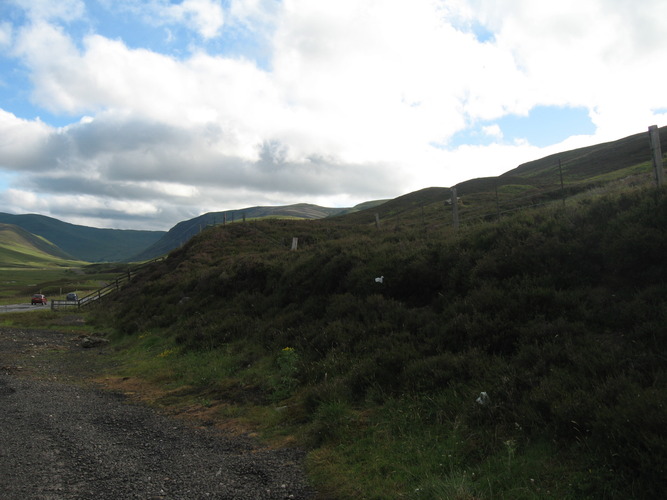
64 439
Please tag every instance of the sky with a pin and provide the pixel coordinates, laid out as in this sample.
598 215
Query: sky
139 114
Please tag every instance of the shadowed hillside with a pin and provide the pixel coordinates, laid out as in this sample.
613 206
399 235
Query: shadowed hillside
185 230
520 358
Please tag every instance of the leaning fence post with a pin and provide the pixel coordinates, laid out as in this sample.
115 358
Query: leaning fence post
654 139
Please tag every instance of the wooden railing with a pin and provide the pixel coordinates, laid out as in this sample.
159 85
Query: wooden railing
110 288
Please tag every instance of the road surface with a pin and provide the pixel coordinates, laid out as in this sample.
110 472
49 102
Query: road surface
63 438
22 307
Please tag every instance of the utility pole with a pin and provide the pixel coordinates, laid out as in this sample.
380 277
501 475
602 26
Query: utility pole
654 139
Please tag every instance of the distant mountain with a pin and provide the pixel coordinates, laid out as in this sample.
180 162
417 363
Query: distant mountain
85 243
19 248
183 231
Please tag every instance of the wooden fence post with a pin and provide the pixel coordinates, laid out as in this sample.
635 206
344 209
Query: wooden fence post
562 186
654 139
455 208
295 243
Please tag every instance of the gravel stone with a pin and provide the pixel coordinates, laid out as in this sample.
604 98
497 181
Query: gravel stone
63 439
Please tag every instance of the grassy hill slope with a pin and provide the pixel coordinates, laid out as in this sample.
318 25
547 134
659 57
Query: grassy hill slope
82 242
520 358
19 248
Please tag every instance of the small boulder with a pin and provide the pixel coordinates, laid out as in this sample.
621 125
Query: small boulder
88 342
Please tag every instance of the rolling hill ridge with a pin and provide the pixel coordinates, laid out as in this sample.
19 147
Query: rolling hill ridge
555 176
185 230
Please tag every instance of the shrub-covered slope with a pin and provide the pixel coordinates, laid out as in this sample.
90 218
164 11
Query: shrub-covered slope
185 230
557 314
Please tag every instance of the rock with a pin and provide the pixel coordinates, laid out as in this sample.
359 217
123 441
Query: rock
88 342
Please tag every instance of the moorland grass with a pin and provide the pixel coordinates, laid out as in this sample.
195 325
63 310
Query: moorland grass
556 313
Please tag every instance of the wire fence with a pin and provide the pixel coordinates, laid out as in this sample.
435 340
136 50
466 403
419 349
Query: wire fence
632 162
505 199
622 165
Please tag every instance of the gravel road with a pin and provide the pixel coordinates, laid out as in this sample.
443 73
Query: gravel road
21 307
64 439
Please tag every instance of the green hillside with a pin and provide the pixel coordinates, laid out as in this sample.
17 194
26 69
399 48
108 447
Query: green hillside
520 358
82 242
21 249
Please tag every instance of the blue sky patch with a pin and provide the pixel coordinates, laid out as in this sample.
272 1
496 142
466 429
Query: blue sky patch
482 34
544 126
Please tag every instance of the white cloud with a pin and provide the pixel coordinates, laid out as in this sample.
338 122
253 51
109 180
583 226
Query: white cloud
493 131
6 30
203 16
50 10
21 142
597 54
348 107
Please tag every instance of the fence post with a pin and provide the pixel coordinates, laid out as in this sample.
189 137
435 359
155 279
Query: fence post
295 243
654 139
377 220
455 208
562 186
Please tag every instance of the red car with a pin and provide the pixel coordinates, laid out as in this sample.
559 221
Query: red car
38 298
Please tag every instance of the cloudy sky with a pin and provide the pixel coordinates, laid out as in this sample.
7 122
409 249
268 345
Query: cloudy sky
137 114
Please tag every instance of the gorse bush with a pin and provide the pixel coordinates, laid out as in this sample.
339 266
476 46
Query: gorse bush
557 314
